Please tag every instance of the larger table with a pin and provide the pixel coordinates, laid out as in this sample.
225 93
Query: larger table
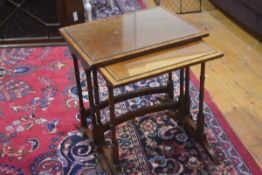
141 37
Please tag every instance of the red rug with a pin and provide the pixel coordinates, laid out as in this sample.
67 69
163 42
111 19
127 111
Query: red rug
38 114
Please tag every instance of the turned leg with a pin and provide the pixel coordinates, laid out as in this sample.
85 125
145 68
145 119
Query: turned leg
79 92
170 86
97 100
91 97
187 92
201 118
115 154
99 132
181 98
92 105
181 88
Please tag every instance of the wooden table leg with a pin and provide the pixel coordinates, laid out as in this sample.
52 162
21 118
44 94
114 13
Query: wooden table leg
91 105
181 98
187 92
170 86
201 118
114 153
79 92
97 100
184 95
99 131
194 130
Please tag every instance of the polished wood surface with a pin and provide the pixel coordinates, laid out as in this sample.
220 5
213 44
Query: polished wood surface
159 62
104 41
234 82
151 65
180 58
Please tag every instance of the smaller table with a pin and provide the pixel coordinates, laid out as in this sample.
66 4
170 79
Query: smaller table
152 65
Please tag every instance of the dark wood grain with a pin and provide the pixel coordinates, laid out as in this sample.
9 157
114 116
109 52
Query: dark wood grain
133 47
122 37
157 63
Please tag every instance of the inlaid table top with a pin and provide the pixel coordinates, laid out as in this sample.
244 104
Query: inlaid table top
156 63
109 40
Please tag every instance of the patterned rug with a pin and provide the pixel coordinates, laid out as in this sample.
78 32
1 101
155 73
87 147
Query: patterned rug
101 7
39 112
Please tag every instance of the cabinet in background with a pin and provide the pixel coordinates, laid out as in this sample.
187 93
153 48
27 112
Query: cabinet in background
31 22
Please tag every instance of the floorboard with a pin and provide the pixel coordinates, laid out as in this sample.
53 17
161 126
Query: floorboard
235 81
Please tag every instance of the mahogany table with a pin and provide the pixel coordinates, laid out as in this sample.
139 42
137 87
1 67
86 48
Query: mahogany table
147 34
152 65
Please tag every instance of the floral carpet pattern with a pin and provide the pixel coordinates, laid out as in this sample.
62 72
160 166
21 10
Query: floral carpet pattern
39 119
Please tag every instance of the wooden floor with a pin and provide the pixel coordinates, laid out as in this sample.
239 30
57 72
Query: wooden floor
235 81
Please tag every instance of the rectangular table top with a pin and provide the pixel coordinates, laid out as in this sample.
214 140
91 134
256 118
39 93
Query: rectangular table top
116 38
157 63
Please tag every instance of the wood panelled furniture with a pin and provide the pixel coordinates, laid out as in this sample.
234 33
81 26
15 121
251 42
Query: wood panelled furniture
30 22
134 47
